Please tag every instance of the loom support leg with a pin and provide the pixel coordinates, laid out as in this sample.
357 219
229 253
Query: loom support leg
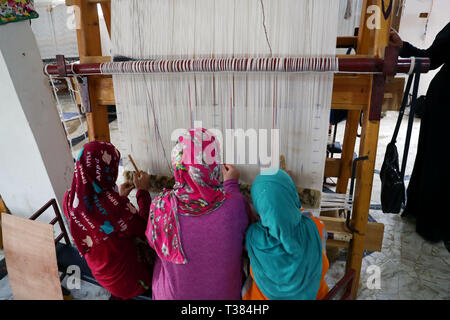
351 129
364 179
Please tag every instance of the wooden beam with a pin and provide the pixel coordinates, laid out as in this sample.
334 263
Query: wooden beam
350 90
375 231
346 42
333 224
89 46
106 9
104 90
99 116
393 95
374 28
332 167
343 106
337 243
97 119
96 59
397 15
88 31
374 236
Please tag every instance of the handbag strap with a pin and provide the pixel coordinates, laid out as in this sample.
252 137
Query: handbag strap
402 108
411 116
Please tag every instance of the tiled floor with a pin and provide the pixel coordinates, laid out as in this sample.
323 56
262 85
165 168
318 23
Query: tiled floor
410 268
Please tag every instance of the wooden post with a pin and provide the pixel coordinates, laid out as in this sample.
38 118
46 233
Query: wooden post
89 44
106 8
348 147
363 192
3 208
373 38
374 27
397 15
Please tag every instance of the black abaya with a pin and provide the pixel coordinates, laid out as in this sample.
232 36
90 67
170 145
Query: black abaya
429 188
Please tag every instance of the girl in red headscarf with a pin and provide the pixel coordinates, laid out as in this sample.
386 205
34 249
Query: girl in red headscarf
104 224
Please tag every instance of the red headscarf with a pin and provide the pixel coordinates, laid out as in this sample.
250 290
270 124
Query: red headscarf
96 210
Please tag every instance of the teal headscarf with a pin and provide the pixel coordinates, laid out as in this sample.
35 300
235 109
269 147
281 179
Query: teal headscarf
284 248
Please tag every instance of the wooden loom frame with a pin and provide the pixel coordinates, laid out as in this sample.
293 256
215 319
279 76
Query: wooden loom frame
353 92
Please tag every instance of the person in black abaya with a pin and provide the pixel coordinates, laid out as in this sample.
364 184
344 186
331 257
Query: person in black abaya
428 193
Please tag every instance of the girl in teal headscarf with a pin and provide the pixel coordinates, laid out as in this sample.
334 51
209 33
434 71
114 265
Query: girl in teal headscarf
287 260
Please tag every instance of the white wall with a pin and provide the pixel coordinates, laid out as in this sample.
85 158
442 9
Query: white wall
412 27
35 159
55 30
347 26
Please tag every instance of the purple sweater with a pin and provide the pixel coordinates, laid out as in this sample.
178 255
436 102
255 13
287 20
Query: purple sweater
213 245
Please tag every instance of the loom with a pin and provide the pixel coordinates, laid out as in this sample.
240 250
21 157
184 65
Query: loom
359 85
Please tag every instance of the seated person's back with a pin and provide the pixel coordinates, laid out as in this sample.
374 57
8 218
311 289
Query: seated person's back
286 246
210 223
104 224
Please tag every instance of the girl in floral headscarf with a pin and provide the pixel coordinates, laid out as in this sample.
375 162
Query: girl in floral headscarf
197 228
103 222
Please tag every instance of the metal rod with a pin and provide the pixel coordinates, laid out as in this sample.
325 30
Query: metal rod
55 220
345 283
42 209
61 222
353 65
58 219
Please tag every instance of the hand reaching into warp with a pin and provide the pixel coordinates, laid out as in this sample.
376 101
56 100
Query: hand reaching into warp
141 180
230 172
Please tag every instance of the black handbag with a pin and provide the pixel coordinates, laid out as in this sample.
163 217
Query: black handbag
393 195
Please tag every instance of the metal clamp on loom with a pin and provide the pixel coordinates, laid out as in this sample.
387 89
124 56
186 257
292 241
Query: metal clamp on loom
61 65
352 185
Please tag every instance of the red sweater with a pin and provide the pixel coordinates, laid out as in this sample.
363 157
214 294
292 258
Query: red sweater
115 263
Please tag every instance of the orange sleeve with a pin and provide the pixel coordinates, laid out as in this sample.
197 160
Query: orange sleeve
253 292
323 288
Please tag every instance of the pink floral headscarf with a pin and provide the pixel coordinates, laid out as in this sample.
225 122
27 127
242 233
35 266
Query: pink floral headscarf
197 191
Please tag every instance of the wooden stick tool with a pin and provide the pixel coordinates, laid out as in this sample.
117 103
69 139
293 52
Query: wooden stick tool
134 164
